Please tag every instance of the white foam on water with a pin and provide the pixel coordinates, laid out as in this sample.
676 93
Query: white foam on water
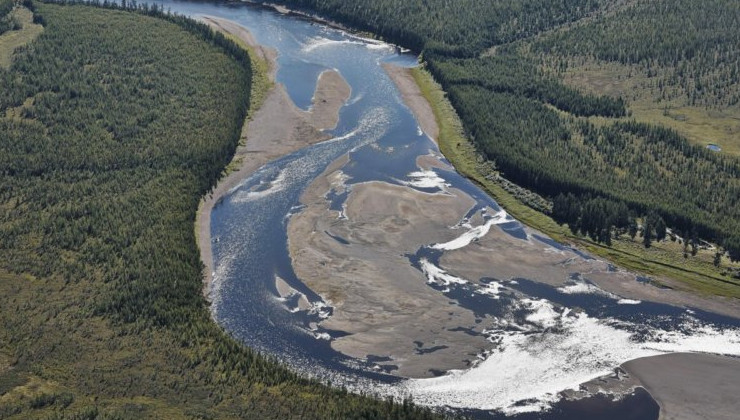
474 233
355 99
629 302
379 46
321 309
438 276
584 288
492 289
426 179
322 336
276 185
532 364
540 364
320 42
543 313
344 137
701 339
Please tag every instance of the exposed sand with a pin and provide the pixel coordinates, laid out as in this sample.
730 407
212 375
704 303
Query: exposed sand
243 34
414 99
377 295
504 257
276 129
357 261
384 302
691 386
488 258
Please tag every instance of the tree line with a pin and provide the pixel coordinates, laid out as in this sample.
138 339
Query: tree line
7 22
113 124
488 56
693 48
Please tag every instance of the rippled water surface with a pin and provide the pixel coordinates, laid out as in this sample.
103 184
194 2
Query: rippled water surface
540 343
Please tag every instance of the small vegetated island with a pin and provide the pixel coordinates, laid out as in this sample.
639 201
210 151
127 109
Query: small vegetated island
595 113
113 125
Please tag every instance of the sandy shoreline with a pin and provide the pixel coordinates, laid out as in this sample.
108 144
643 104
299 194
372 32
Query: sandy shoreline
687 386
414 99
383 301
690 386
625 287
278 128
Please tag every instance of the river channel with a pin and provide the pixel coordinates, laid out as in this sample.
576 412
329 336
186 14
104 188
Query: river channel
535 337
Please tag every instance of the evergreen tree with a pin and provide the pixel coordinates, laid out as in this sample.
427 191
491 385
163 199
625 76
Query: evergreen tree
632 227
732 245
647 233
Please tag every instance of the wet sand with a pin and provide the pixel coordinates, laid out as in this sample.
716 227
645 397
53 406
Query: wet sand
357 261
378 297
691 386
276 129
686 386
232 28
414 99
490 257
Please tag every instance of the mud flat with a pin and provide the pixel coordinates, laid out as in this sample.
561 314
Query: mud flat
691 386
278 128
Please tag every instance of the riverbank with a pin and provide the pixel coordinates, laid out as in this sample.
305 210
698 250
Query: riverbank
458 150
357 259
690 386
278 127
414 98
680 383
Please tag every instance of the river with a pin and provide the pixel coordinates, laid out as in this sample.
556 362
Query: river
541 338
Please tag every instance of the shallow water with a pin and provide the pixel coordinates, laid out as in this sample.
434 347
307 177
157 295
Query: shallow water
543 339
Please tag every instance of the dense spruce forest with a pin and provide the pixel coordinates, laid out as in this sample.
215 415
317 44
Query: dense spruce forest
113 124
6 20
501 62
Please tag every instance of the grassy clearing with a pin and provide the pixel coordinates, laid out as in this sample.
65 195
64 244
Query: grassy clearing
647 103
662 260
11 40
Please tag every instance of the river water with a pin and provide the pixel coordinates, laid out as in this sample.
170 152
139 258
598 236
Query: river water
540 345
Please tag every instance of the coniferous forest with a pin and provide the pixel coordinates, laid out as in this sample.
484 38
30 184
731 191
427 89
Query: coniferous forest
6 21
113 124
500 63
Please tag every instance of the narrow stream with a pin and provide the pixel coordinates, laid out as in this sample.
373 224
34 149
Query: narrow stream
542 339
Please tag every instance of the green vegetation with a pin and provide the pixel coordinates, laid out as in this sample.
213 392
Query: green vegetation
506 67
113 124
7 22
11 40
461 28
663 259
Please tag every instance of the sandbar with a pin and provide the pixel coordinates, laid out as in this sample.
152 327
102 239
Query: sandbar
691 386
278 128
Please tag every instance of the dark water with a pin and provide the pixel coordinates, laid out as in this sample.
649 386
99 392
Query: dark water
383 140
714 148
638 405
